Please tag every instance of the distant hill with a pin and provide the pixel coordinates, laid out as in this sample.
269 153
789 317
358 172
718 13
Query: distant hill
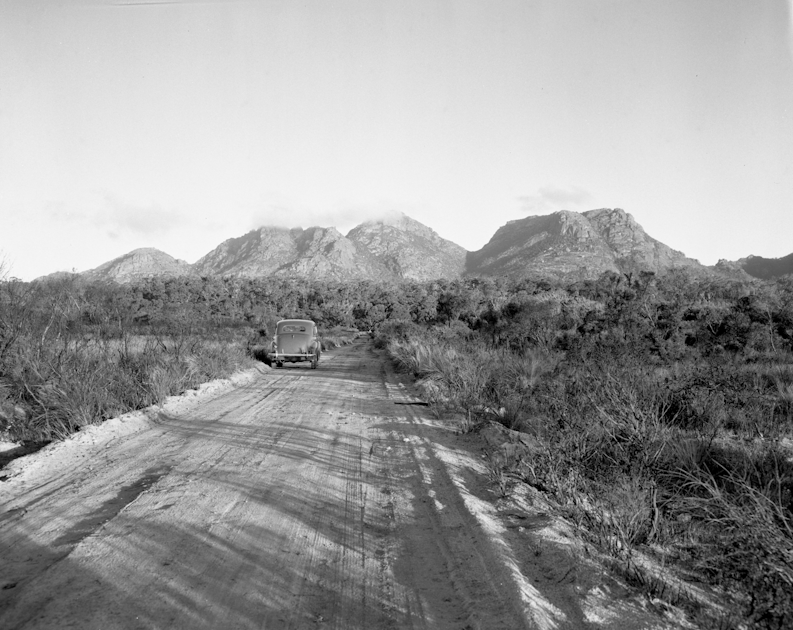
565 242
57 277
137 264
767 268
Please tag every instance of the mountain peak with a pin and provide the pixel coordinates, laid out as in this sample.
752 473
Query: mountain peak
410 249
565 242
390 217
139 263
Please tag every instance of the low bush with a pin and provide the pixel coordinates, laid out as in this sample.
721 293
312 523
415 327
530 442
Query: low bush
338 336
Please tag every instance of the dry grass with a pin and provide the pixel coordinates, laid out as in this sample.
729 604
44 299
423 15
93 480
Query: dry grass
482 382
50 389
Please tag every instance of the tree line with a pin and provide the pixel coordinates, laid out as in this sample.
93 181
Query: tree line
673 314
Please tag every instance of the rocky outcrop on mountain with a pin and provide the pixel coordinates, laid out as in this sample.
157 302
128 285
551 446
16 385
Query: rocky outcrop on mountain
409 249
316 252
630 243
732 269
137 264
558 243
326 253
564 243
259 252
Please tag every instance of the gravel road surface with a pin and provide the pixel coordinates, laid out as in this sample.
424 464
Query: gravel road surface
296 498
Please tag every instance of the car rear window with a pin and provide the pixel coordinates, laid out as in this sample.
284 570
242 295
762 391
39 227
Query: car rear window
292 328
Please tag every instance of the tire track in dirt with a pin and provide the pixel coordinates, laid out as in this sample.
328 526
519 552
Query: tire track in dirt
462 582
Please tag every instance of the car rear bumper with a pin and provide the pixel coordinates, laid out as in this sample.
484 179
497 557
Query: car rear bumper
284 356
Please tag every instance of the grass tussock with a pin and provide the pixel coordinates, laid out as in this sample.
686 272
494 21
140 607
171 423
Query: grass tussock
480 381
643 464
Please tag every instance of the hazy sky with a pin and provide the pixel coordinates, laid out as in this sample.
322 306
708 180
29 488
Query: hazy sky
177 125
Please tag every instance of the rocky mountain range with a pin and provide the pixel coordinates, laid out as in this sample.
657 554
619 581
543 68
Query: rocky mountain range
395 248
399 248
315 252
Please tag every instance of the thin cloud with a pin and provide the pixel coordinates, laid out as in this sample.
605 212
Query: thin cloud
342 219
551 199
117 217
142 220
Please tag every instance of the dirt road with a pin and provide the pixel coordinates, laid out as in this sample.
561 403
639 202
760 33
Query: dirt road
297 499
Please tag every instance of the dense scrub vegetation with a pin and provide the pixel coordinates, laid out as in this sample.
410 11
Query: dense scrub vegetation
659 409
660 414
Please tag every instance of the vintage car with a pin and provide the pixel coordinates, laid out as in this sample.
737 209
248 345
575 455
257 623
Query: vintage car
295 340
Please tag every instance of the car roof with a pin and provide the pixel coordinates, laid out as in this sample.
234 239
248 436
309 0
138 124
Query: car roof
296 321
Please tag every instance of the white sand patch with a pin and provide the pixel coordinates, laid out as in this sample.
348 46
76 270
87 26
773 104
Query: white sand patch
535 606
